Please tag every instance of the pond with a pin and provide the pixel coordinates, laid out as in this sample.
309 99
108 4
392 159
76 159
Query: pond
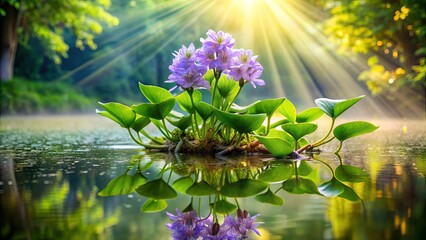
53 168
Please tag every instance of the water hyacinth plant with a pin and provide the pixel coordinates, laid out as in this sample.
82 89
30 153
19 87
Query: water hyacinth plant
220 126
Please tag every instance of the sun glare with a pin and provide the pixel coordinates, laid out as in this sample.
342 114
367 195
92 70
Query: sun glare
299 61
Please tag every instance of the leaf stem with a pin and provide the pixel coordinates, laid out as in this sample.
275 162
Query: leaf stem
149 137
339 148
148 146
319 142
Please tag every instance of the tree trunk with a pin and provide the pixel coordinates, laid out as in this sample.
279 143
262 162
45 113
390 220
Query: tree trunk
8 40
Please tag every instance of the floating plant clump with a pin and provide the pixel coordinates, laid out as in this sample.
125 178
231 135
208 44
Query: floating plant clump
220 126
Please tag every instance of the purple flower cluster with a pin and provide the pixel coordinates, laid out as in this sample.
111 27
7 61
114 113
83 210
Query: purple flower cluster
189 226
217 53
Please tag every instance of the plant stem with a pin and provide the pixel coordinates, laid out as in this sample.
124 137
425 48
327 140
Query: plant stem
150 138
268 125
339 148
193 113
317 143
235 97
148 146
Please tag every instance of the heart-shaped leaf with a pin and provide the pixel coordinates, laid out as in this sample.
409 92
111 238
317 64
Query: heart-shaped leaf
332 188
268 106
299 130
154 205
270 197
353 129
298 185
235 108
241 123
288 110
204 109
119 113
335 107
184 100
155 110
154 94
182 123
123 184
309 115
182 184
140 123
227 87
224 207
347 173
303 142
201 188
277 173
243 188
157 189
279 143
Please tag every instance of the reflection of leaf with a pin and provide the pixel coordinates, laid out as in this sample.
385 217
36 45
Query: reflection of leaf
224 207
300 185
157 189
243 188
182 184
154 205
201 189
353 129
270 197
349 173
349 194
276 173
332 188
335 107
304 169
123 184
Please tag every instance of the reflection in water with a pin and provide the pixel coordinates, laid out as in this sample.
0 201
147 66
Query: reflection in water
50 190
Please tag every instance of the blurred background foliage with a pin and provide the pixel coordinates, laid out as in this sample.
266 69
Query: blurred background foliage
71 54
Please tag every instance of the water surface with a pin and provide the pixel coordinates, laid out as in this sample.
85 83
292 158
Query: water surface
52 168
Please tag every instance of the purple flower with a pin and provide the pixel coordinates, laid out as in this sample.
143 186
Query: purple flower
185 225
215 232
246 67
216 52
242 223
186 72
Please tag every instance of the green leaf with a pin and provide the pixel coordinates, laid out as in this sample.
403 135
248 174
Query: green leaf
309 115
182 184
154 205
288 110
201 188
332 188
303 142
241 123
347 173
209 76
182 123
119 113
235 108
224 207
155 110
353 129
299 130
268 106
304 169
204 109
300 186
279 143
276 173
243 188
157 189
123 184
184 100
227 87
335 107
349 194
140 123
270 197
154 94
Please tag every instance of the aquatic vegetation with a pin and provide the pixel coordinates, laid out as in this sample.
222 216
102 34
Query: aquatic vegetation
219 72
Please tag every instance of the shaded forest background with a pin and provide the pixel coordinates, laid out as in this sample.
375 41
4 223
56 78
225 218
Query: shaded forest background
49 77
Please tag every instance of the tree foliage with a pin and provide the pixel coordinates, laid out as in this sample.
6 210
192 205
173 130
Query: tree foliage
392 33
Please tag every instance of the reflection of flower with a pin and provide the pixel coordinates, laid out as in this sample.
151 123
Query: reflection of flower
242 223
247 68
188 225
186 72
185 225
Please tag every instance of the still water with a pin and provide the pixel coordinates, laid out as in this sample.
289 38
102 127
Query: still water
53 167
